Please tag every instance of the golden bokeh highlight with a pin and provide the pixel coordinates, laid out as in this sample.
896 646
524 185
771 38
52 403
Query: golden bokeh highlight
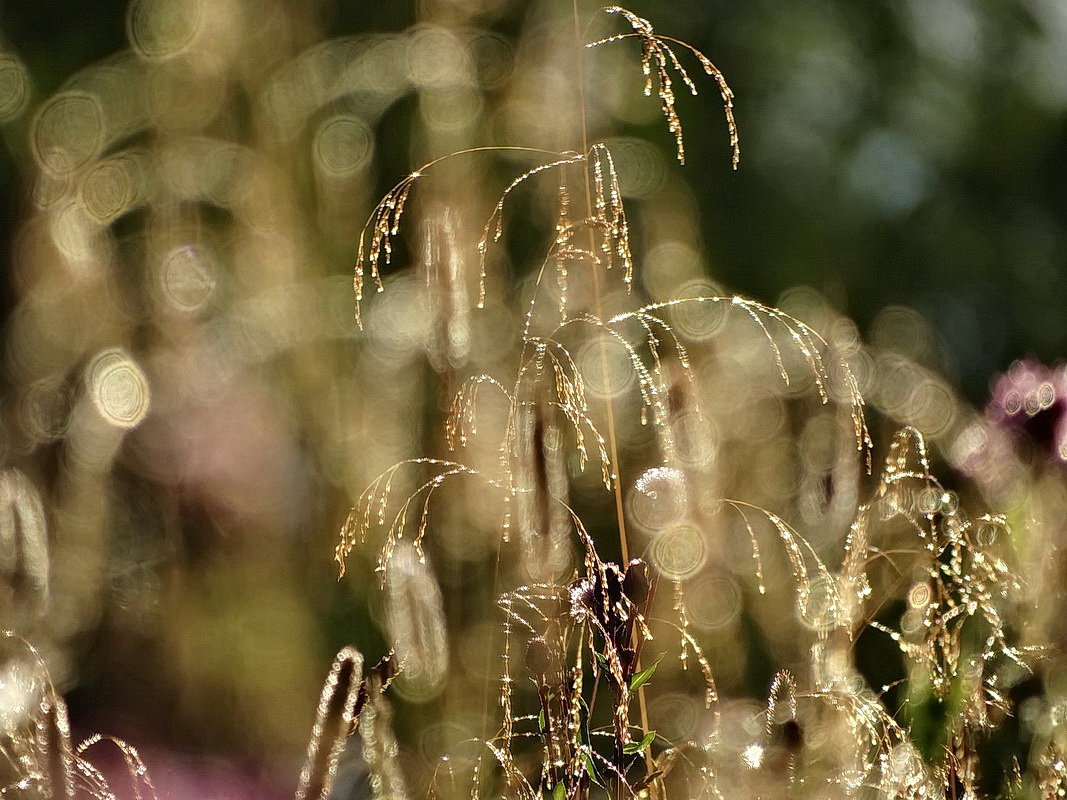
343 146
68 130
679 552
118 388
15 88
162 29
607 364
112 186
186 277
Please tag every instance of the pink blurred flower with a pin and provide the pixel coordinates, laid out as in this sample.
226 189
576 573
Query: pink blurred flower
1031 399
178 777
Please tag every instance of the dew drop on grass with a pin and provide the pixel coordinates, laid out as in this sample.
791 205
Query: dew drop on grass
753 756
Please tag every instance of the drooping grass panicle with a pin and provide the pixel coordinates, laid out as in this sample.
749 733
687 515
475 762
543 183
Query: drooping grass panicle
384 224
372 507
805 339
609 213
548 383
494 225
607 218
462 423
799 552
690 650
549 362
658 56
375 247
648 383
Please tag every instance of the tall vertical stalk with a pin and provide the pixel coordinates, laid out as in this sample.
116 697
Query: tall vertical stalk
613 448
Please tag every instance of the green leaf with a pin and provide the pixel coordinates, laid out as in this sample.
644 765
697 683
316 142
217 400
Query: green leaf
641 678
591 770
559 792
541 721
602 660
636 747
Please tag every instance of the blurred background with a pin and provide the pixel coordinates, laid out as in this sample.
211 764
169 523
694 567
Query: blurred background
189 408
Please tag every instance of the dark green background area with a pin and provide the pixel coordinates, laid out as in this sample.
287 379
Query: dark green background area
893 152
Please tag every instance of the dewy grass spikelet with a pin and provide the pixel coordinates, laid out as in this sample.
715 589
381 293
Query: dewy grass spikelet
384 224
657 53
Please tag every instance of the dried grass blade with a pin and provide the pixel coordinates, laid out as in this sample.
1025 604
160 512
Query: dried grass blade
334 722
